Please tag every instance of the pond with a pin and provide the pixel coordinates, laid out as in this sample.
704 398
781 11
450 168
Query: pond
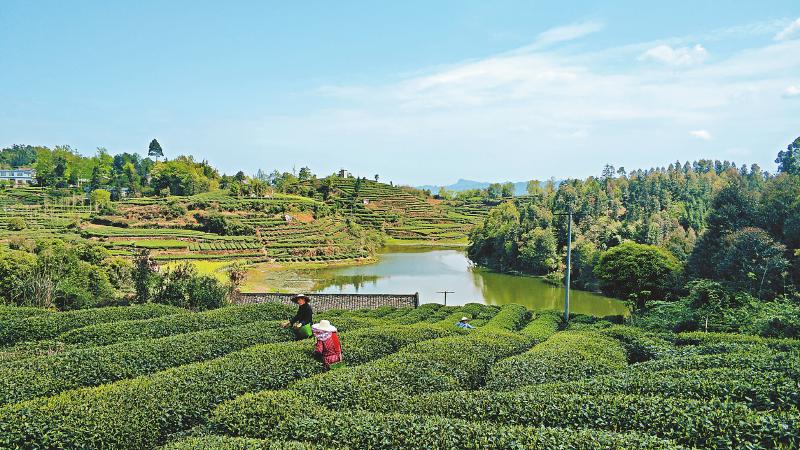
428 270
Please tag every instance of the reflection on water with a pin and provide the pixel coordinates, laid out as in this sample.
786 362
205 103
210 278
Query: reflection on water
406 270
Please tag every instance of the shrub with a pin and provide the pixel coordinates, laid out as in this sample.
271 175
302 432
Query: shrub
21 312
757 389
639 345
26 350
17 224
479 314
141 412
569 355
236 443
632 269
696 423
222 224
97 365
414 315
675 316
183 286
274 414
703 338
544 325
51 325
456 362
751 357
110 333
510 317
93 366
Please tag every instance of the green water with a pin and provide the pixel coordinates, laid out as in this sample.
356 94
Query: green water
426 270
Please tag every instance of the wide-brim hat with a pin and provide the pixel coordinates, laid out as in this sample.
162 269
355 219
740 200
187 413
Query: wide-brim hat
299 296
324 325
465 319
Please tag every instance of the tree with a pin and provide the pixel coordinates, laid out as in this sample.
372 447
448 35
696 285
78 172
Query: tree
534 187
494 191
143 274
494 241
537 251
14 269
377 177
789 160
734 208
637 271
304 174
507 190
752 261
237 272
155 150
183 176
99 198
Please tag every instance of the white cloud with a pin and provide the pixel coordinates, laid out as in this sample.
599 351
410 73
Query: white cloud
525 106
566 33
701 134
678 56
789 31
791 91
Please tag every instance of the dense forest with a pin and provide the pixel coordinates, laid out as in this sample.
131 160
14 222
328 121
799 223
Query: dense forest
652 234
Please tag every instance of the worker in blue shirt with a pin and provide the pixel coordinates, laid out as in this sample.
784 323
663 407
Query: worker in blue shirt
463 323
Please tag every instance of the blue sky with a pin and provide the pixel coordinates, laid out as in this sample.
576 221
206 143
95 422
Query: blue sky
416 91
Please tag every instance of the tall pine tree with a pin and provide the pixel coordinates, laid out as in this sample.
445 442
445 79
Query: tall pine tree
155 150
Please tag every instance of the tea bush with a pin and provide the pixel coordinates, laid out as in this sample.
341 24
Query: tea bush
753 358
703 338
21 312
274 414
236 443
46 326
697 423
510 317
639 345
110 333
97 365
568 355
758 389
141 412
456 362
31 349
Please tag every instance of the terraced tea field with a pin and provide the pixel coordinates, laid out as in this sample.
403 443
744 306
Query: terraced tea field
151 376
405 216
42 215
275 228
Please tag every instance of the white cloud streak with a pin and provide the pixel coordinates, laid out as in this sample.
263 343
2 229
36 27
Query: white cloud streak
791 92
565 33
789 32
681 56
701 134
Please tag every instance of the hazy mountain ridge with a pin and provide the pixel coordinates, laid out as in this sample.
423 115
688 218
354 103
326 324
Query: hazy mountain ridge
520 187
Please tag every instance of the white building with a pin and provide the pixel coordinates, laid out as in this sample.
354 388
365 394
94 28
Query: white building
18 176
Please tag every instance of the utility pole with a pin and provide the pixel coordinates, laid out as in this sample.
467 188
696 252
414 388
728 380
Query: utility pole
569 263
445 295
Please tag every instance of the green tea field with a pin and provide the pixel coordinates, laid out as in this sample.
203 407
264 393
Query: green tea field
154 376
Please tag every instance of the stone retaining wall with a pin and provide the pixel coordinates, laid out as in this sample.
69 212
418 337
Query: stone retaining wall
324 302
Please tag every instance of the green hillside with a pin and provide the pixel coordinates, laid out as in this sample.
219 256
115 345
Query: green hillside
281 228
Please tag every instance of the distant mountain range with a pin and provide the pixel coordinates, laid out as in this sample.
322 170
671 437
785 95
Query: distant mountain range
520 187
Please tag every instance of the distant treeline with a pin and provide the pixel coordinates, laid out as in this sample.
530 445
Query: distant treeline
737 225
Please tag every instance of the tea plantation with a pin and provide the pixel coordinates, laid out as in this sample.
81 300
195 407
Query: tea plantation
152 376
279 228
